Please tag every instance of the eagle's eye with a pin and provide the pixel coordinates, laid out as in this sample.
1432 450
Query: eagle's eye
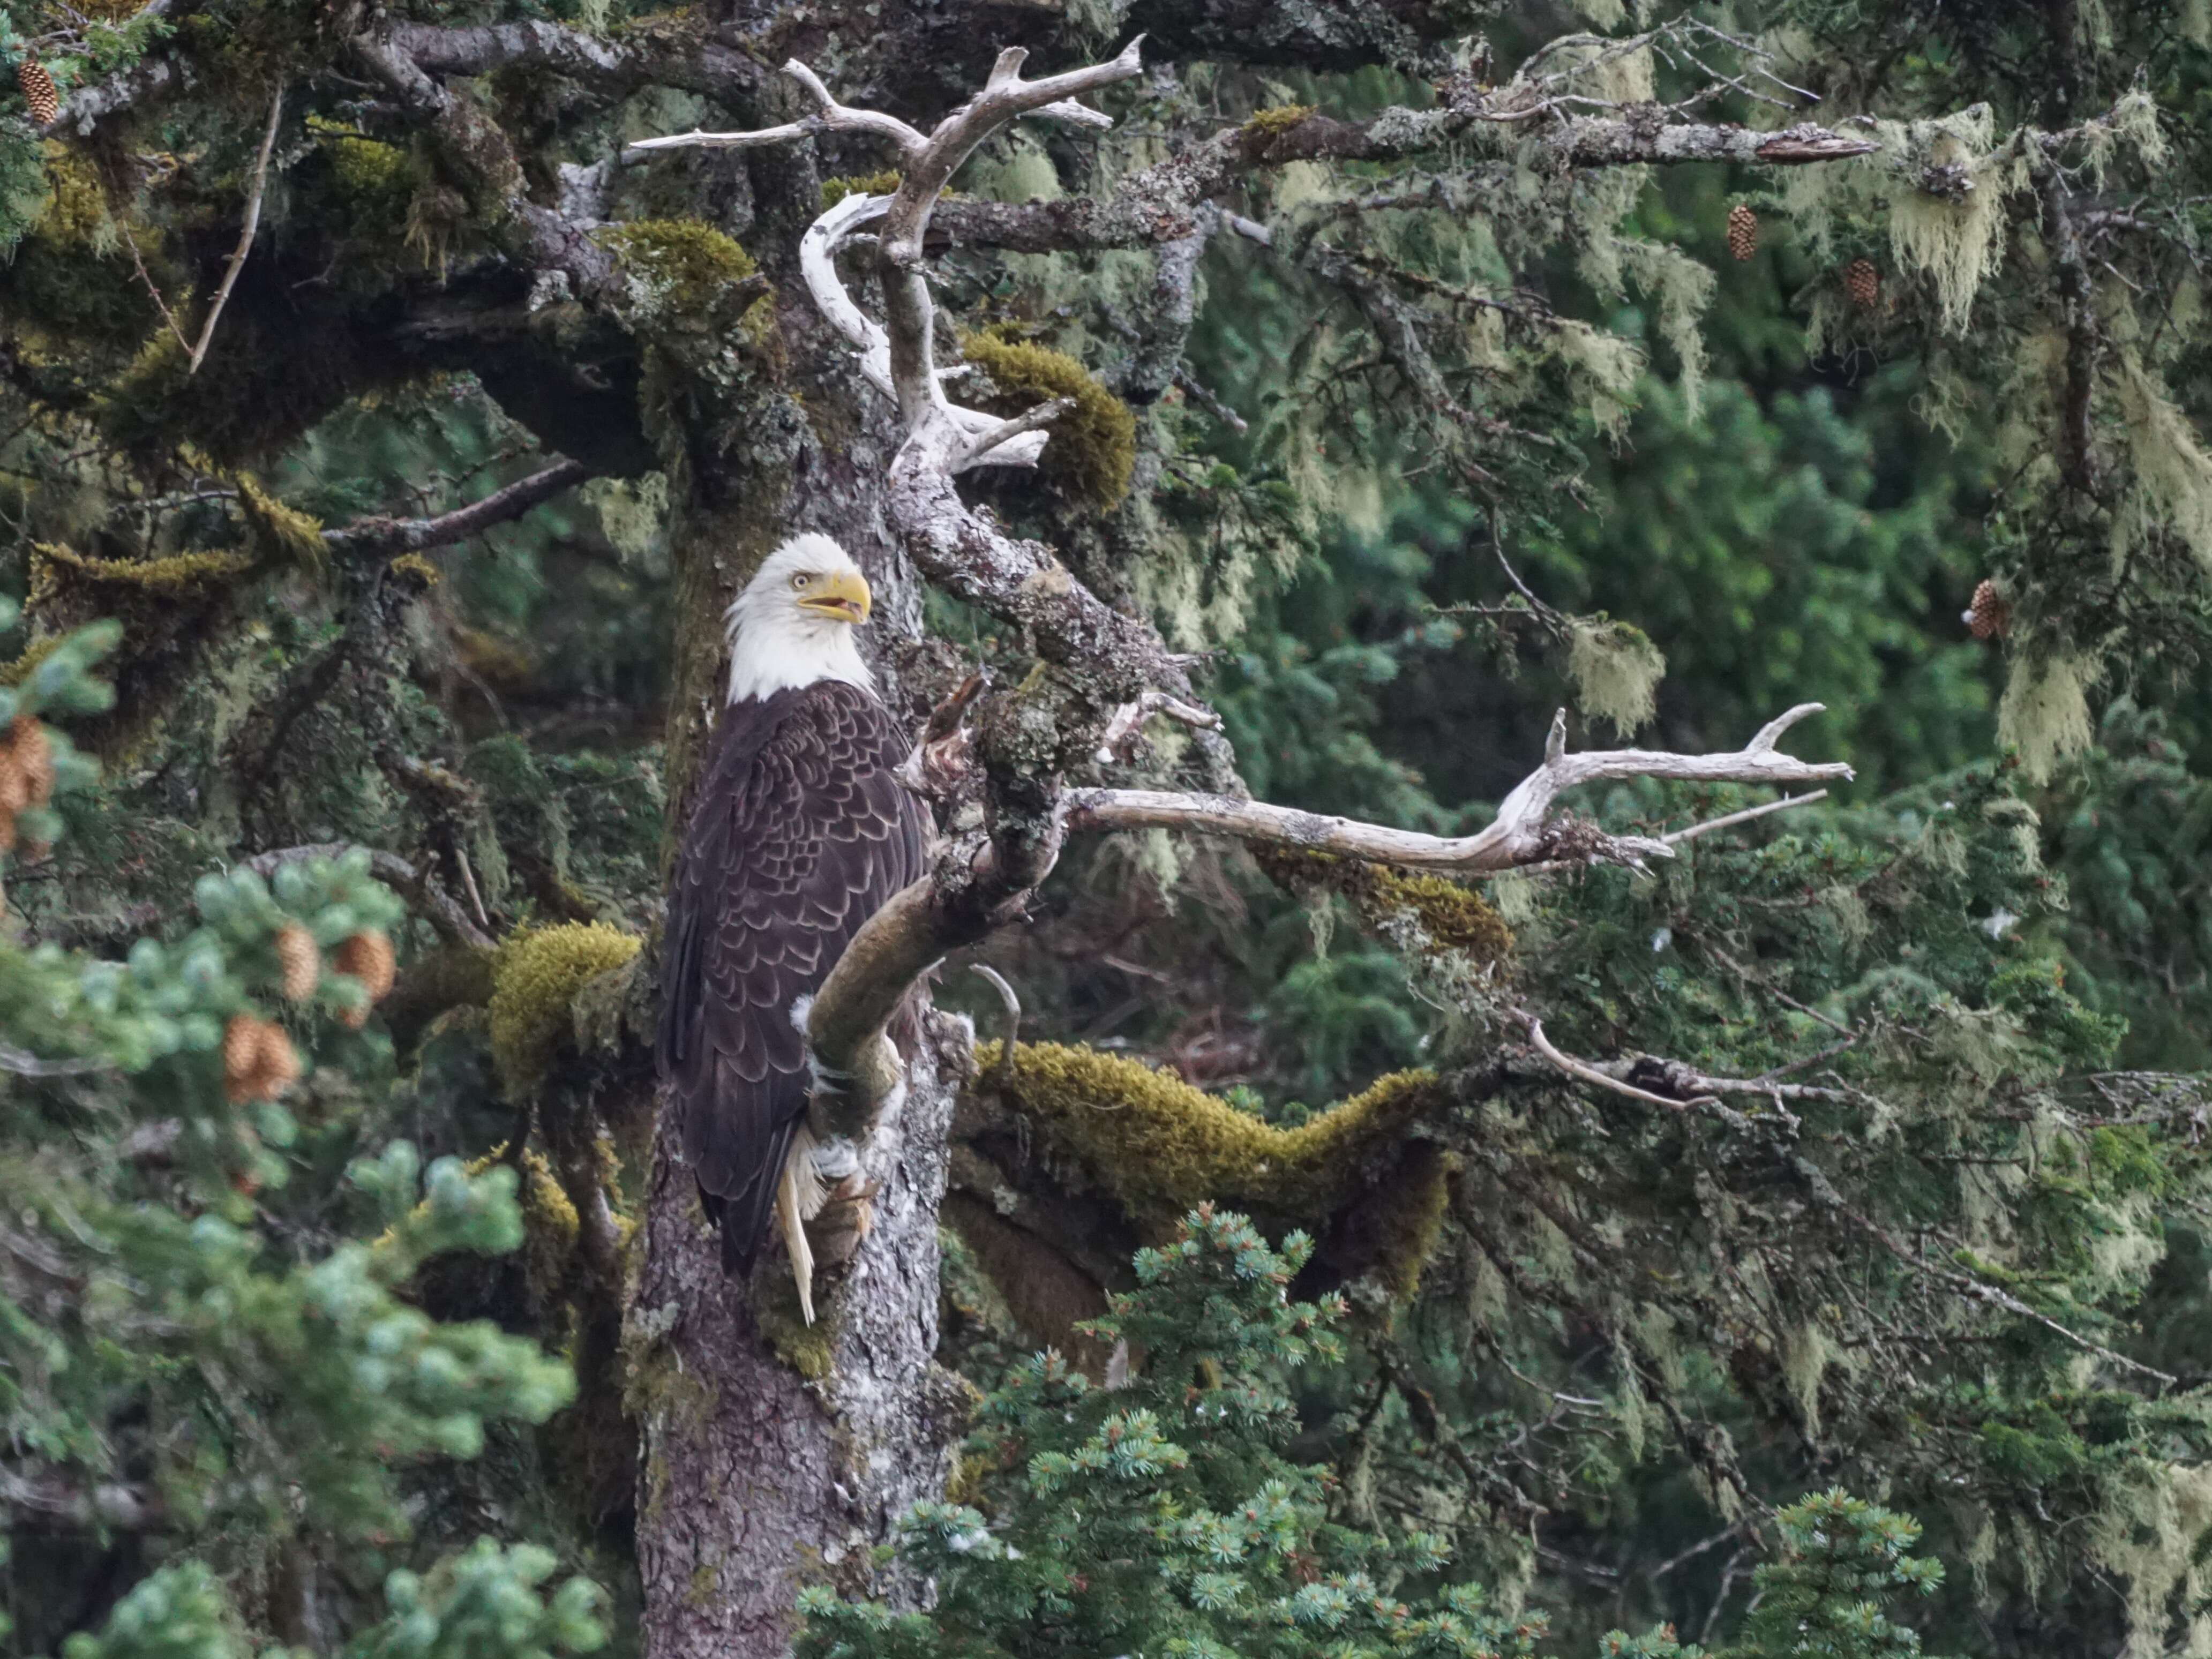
800 582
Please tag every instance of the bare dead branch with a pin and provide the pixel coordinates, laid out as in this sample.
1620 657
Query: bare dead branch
1518 836
245 235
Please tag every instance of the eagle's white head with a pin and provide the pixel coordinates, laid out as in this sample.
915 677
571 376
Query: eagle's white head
794 624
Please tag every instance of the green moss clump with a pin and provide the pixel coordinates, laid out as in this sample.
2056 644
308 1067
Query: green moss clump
36 651
375 179
689 257
1454 917
835 191
1269 124
804 1347
538 976
551 1227
281 535
179 574
415 567
1161 1145
1093 448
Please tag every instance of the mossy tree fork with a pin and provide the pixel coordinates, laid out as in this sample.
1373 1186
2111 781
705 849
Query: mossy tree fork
722 1523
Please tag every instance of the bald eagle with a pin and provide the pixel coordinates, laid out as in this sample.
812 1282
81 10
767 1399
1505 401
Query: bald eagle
800 833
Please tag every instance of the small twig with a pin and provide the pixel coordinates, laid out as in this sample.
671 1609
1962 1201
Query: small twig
1591 1074
469 881
245 234
1675 838
159 304
1028 421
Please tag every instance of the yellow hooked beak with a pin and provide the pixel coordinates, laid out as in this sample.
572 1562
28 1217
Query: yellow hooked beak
841 596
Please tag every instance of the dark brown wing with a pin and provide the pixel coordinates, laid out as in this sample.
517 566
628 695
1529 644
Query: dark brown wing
800 835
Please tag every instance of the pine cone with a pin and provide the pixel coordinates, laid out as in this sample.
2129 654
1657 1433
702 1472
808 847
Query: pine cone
302 961
1863 282
258 1061
14 783
241 1043
1988 616
34 755
1742 232
38 91
368 957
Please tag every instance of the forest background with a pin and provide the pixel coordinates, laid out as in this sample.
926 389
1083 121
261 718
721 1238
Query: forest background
323 1343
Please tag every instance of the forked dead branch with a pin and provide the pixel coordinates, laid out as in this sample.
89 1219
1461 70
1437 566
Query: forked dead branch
1112 670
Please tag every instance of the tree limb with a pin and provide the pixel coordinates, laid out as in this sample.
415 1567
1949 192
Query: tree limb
384 535
1521 834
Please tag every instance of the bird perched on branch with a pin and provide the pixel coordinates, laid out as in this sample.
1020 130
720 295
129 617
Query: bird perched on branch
800 833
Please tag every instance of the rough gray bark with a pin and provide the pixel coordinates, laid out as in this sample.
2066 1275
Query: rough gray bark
756 1475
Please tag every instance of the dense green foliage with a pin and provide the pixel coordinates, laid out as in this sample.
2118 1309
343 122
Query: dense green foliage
1885 1172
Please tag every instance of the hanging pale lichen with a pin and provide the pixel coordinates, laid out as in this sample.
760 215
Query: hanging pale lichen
1953 238
1616 671
2045 712
2172 473
2148 1535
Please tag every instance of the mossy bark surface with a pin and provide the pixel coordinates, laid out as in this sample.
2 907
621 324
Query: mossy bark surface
773 1451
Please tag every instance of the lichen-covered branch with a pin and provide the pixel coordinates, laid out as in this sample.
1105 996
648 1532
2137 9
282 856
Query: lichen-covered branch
482 160
1160 202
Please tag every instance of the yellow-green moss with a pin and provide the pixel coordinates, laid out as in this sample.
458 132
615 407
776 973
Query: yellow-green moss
804 1347
375 178
177 574
280 534
1454 917
536 978
76 212
1161 1145
500 665
36 651
1271 123
1093 447
415 567
551 1227
693 257
835 191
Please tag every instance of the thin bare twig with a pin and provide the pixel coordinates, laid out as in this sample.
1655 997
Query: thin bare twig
245 234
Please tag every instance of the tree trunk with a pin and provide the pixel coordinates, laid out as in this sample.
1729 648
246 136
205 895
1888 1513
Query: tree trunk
772 1452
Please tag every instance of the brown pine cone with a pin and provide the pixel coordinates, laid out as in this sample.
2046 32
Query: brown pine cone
34 755
1742 232
241 1046
1863 282
1989 614
38 91
258 1061
368 957
301 961
279 1061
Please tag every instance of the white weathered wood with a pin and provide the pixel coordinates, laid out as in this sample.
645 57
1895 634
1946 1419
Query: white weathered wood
1517 836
